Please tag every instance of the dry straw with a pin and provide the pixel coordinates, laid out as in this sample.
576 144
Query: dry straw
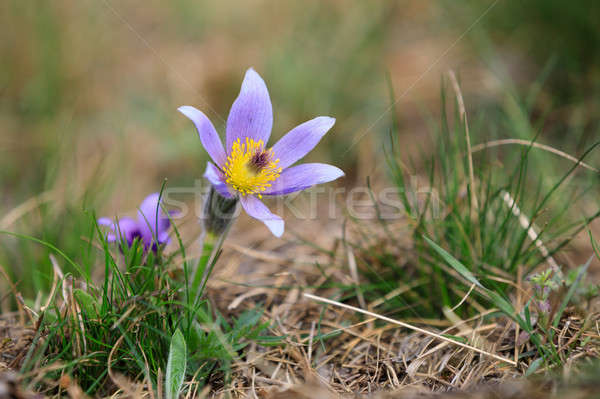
409 326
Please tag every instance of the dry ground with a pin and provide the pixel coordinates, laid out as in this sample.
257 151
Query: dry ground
365 357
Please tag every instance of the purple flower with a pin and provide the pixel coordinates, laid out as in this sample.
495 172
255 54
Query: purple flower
147 228
246 168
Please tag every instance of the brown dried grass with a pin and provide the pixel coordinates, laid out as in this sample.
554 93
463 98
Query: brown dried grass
366 357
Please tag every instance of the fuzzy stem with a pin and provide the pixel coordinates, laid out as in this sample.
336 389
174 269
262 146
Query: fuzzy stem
219 215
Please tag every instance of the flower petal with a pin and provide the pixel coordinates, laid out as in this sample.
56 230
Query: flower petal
109 237
251 114
303 176
147 222
301 140
255 208
105 222
164 238
217 179
208 135
126 228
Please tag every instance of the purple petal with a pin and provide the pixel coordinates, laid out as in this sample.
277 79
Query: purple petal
301 140
147 222
110 237
208 135
255 208
251 114
105 222
163 237
303 176
126 228
217 179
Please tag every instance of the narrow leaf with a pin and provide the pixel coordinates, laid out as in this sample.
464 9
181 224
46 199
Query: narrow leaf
87 303
534 366
456 338
452 261
176 366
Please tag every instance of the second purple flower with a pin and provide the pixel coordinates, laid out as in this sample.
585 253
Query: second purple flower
151 227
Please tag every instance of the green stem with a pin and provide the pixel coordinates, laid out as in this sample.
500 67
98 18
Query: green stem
219 216
211 245
208 243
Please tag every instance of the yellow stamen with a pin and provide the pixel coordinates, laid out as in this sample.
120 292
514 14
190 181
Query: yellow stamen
245 176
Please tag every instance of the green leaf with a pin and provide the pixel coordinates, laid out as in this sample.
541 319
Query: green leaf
452 261
528 316
87 302
534 366
176 365
595 245
268 340
505 306
456 338
247 320
502 303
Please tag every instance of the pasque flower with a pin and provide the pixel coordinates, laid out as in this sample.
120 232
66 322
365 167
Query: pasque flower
245 168
149 229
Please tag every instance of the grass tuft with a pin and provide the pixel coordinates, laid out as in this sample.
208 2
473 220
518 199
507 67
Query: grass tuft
133 326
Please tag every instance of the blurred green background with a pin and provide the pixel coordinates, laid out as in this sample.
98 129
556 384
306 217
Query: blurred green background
89 92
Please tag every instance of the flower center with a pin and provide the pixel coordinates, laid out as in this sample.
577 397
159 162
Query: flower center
250 168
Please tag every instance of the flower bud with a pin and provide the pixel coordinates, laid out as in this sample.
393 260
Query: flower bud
219 212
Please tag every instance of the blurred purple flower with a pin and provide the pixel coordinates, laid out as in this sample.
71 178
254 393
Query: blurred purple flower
248 170
147 228
544 306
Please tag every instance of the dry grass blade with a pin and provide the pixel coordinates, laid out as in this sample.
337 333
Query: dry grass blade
531 229
463 117
411 327
497 143
354 274
459 334
26 207
464 298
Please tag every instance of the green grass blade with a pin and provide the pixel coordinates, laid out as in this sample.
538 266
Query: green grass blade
595 245
505 306
89 306
52 247
452 261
